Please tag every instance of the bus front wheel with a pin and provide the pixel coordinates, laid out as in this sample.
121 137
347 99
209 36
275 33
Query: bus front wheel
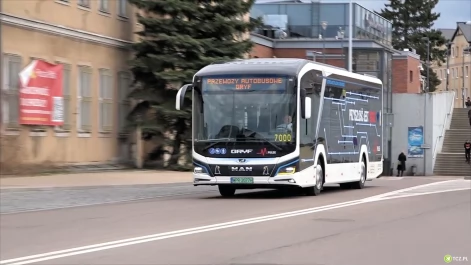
316 189
226 190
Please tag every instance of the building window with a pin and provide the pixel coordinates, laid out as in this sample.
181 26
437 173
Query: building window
122 11
467 71
411 76
84 99
124 82
104 6
66 96
84 3
10 89
105 102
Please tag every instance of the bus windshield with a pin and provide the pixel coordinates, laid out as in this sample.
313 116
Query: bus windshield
245 109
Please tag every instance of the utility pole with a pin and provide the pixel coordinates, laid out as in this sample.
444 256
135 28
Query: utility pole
350 34
426 90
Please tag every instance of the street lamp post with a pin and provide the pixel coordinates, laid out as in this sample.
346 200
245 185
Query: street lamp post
350 35
425 100
324 27
428 63
466 50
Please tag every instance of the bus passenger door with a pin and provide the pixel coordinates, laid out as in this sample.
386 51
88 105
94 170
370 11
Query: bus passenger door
312 83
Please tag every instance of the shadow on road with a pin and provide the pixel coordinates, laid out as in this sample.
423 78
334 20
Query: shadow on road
279 194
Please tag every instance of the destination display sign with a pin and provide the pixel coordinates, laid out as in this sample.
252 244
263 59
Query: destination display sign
244 83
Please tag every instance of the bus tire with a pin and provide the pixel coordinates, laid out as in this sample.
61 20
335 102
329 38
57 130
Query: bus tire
361 183
226 190
316 189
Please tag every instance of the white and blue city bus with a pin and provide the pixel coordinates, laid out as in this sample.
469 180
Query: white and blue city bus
284 123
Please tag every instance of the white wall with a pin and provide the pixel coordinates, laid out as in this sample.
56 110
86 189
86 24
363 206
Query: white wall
409 110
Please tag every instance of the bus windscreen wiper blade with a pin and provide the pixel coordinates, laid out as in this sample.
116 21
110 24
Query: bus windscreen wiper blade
217 141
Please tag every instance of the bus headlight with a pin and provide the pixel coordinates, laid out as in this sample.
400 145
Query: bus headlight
200 171
287 170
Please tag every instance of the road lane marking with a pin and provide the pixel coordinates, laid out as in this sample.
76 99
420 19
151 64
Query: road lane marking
202 229
160 236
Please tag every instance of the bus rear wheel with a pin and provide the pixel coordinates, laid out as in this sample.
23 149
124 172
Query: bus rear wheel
361 183
226 190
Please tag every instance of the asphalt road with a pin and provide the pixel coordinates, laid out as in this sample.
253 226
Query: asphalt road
381 224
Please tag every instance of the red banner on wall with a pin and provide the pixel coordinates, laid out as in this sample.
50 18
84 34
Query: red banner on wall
41 100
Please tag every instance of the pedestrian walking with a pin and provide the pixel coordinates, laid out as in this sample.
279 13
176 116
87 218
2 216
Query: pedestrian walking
467 150
401 164
469 116
468 103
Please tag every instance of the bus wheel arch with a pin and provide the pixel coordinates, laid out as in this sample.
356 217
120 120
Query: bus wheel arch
321 162
364 161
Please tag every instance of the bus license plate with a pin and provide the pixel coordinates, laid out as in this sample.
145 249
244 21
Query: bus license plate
242 180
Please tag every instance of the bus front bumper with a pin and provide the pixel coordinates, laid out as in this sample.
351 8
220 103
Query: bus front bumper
249 182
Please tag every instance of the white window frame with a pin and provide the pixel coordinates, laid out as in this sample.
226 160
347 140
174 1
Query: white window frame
105 101
83 97
467 70
122 8
124 88
84 3
10 91
104 6
67 97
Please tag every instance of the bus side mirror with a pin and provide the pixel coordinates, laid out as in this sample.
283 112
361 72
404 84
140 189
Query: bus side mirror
305 105
307 108
181 96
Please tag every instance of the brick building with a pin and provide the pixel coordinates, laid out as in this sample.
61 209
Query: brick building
405 69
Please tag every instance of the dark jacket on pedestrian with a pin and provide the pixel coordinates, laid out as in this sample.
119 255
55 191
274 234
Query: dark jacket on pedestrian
468 102
401 165
467 146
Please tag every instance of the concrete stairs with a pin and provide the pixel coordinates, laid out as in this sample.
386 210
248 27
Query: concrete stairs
451 160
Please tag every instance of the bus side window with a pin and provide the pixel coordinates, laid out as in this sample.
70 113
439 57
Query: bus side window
334 92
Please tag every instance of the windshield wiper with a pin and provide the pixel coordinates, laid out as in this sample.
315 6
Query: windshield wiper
217 141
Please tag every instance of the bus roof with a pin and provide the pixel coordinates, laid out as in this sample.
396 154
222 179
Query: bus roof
280 66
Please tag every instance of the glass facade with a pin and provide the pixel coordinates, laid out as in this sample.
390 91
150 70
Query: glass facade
317 20
369 25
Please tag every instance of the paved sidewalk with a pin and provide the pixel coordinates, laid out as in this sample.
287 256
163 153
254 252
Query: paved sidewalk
109 178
